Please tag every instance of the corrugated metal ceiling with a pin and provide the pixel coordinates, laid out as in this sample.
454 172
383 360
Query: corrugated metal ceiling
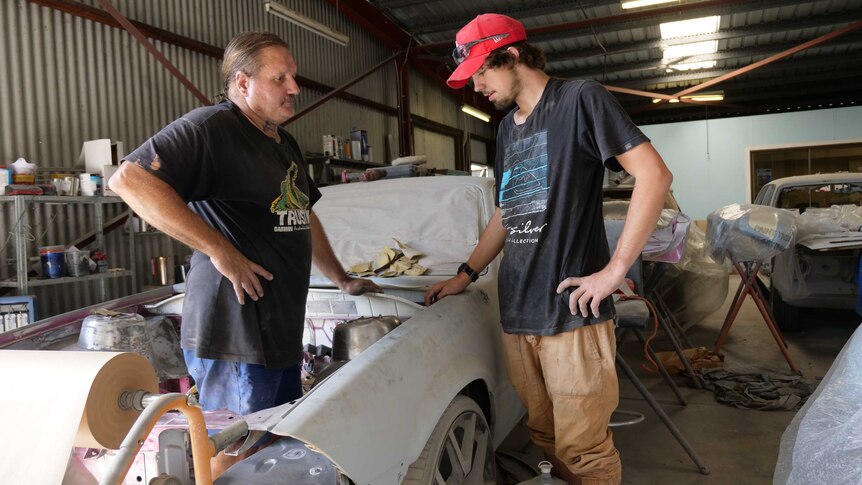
624 47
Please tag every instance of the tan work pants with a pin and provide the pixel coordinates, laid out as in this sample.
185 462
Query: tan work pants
568 383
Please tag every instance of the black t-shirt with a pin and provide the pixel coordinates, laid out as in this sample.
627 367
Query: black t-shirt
549 188
257 193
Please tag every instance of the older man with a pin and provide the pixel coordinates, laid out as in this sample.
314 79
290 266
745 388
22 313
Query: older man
229 182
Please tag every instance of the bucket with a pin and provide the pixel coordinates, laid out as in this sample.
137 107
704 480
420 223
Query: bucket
78 263
23 172
53 261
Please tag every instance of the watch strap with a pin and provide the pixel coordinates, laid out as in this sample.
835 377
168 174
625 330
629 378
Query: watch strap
465 268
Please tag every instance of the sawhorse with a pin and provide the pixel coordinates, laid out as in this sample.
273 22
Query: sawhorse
748 285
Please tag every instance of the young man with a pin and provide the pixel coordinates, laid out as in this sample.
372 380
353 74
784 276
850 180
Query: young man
556 276
230 183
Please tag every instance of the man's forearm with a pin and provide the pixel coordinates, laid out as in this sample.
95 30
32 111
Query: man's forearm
652 183
490 243
322 254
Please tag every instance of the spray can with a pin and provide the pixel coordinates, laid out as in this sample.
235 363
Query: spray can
10 322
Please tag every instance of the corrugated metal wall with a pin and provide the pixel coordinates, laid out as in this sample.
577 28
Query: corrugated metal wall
430 100
67 79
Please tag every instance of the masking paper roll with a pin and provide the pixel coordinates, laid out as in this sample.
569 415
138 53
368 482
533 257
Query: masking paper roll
51 401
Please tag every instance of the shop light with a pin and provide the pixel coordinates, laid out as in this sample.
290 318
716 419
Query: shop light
476 113
706 97
309 24
691 49
689 66
684 28
645 3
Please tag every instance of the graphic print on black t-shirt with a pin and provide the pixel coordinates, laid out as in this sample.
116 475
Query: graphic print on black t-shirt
291 205
524 188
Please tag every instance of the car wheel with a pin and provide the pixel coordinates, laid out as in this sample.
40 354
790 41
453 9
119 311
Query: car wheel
459 449
786 316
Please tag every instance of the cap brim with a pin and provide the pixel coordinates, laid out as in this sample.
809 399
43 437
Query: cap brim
465 71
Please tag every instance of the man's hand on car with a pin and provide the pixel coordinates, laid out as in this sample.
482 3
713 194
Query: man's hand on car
359 286
452 286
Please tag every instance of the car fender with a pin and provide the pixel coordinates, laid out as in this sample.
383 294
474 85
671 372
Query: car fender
373 416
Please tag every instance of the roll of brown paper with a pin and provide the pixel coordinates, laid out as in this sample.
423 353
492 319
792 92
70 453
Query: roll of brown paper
54 400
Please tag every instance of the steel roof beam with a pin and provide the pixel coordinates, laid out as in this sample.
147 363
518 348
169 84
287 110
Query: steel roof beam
142 39
643 18
657 63
777 57
534 10
746 88
654 83
846 86
754 30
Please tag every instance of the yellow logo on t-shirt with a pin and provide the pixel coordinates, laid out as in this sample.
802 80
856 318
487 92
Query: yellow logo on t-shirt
291 197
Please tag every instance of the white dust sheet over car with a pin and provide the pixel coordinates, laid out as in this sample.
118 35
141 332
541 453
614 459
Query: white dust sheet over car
442 217
822 444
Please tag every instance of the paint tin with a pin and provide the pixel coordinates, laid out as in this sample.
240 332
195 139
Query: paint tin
78 263
53 261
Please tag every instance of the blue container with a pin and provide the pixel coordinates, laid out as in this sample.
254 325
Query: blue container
53 261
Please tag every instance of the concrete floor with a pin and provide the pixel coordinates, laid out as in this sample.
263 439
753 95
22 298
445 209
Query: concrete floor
739 446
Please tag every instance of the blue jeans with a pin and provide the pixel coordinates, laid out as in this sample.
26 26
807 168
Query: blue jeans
240 387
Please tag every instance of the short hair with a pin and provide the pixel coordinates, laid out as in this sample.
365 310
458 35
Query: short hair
529 55
243 54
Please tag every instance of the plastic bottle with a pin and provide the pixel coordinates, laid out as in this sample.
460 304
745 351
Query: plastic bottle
10 322
545 478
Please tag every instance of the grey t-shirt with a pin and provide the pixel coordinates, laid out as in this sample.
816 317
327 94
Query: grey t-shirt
549 189
257 194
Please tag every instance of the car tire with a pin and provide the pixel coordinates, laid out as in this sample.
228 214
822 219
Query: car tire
786 316
462 426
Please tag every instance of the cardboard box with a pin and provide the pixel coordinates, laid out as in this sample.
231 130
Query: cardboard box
107 172
95 154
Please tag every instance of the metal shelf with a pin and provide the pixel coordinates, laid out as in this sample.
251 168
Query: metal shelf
320 169
22 203
48 199
111 273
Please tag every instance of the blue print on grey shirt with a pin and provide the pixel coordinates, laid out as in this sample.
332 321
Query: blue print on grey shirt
524 185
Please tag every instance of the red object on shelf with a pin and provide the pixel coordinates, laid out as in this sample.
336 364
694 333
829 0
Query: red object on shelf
23 189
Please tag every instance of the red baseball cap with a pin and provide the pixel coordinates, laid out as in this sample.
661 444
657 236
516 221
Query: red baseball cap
477 39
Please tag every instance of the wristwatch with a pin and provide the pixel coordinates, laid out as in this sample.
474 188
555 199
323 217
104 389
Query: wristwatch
465 268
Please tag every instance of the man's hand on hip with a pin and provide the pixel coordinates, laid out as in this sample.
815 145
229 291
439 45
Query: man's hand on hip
242 273
590 290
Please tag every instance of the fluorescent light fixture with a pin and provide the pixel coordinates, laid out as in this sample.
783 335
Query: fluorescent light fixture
476 113
297 18
703 97
645 3
690 49
689 66
706 97
684 28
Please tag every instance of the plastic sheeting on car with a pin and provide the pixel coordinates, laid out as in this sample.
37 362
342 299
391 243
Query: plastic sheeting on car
822 442
696 286
747 232
838 218
693 286
788 273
